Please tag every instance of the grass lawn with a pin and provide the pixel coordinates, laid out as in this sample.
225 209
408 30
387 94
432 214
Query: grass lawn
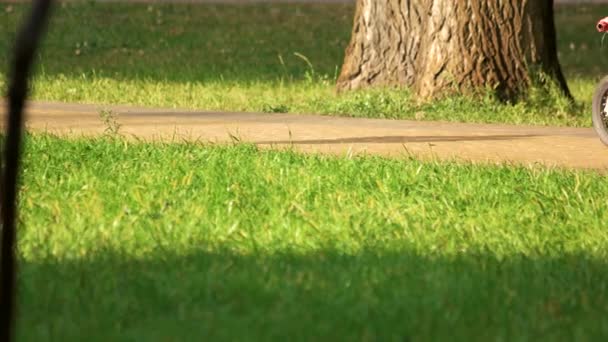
173 242
269 57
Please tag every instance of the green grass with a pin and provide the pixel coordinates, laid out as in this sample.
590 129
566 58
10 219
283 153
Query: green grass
134 241
267 57
139 241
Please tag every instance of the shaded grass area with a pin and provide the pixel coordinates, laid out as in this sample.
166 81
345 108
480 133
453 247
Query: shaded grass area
266 57
131 241
327 295
192 42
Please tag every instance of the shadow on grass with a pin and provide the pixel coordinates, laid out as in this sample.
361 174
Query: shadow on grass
189 42
391 296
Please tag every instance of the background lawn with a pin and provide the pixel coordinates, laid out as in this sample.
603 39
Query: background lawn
269 57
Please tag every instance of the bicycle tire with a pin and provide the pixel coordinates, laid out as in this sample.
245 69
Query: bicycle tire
600 110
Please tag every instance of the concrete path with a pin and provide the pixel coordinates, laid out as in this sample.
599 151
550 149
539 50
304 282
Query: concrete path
560 147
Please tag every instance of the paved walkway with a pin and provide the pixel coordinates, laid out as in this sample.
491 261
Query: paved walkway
561 147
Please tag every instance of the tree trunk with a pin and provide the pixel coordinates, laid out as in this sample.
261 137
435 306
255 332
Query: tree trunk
441 47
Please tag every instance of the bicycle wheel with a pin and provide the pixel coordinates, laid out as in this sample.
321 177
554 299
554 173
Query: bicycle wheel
600 110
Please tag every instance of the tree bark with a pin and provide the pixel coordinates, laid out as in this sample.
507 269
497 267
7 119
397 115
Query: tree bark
441 47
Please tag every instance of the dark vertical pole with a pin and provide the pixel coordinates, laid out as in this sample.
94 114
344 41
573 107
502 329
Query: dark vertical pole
551 41
25 49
